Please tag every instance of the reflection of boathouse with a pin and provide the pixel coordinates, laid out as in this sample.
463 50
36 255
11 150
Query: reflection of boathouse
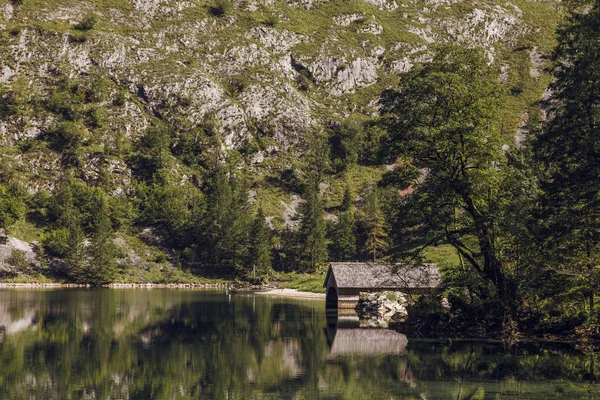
346 338
346 280
367 342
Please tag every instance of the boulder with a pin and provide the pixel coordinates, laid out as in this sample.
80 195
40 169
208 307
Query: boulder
379 309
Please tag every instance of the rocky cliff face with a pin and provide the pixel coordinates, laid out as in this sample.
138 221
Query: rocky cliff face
271 68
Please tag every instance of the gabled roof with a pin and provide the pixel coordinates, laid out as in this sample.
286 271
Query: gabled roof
385 276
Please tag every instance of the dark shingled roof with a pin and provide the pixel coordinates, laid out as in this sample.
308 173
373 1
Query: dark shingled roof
385 276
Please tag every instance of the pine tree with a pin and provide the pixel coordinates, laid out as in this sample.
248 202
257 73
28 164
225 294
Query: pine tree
344 246
217 204
312 246
569 150
75 247
259 252
376 243
237 227
102 251
224 236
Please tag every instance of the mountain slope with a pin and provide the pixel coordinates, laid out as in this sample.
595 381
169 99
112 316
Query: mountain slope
82 82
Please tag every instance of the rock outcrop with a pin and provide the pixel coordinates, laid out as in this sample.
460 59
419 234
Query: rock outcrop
267 71
16 256
381 308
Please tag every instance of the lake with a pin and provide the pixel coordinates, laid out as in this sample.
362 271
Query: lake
192 344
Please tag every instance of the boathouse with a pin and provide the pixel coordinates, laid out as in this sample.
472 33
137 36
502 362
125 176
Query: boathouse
346 280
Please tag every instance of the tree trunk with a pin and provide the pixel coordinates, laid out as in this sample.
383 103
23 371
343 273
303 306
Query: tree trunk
492 267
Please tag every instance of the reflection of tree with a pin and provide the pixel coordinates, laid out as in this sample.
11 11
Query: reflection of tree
182 344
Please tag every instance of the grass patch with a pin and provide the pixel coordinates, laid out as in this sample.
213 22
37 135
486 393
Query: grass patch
304 282
26 231
444 255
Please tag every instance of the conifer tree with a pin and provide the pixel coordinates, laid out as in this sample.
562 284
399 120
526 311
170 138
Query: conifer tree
376 243
75 249
225 223
236 229
218 198
101 250
259 252
312 246
568 150
344 248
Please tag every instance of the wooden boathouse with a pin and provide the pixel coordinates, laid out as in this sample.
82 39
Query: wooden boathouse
346 280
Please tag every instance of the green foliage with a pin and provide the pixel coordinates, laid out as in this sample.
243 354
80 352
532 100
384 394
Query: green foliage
12 204
376 243
171 206
74 260
98 89
568 152
345 141
303 282
221 8
442 120
225 225
344 240
101 251
88 23
272 20
79 36
259 249
312 252
68 135
55 242
235 86
18 260
82 238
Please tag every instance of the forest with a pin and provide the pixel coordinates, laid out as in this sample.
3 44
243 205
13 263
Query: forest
523 221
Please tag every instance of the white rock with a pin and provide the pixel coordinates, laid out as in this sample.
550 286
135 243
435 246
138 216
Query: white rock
345 20
384 5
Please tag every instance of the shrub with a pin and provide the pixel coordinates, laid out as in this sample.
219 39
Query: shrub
78 37
87 23
221 8
121 98
235 86
272 20
96 117
304 79
12 204
68 135
55 242
15 30
98 90
18 260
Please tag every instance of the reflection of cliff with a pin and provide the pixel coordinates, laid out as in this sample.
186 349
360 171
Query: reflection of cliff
17 316
9 325
282 360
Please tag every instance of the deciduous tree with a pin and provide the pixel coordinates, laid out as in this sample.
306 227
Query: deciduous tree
441 119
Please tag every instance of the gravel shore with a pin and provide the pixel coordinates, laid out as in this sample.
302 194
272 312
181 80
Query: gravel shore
293 293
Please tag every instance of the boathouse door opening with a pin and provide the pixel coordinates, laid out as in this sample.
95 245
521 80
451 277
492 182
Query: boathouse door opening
331 299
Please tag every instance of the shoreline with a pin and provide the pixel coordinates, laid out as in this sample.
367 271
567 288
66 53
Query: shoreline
61 285
277 292
293 293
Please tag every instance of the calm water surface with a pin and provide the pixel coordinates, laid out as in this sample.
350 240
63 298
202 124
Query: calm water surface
184 344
